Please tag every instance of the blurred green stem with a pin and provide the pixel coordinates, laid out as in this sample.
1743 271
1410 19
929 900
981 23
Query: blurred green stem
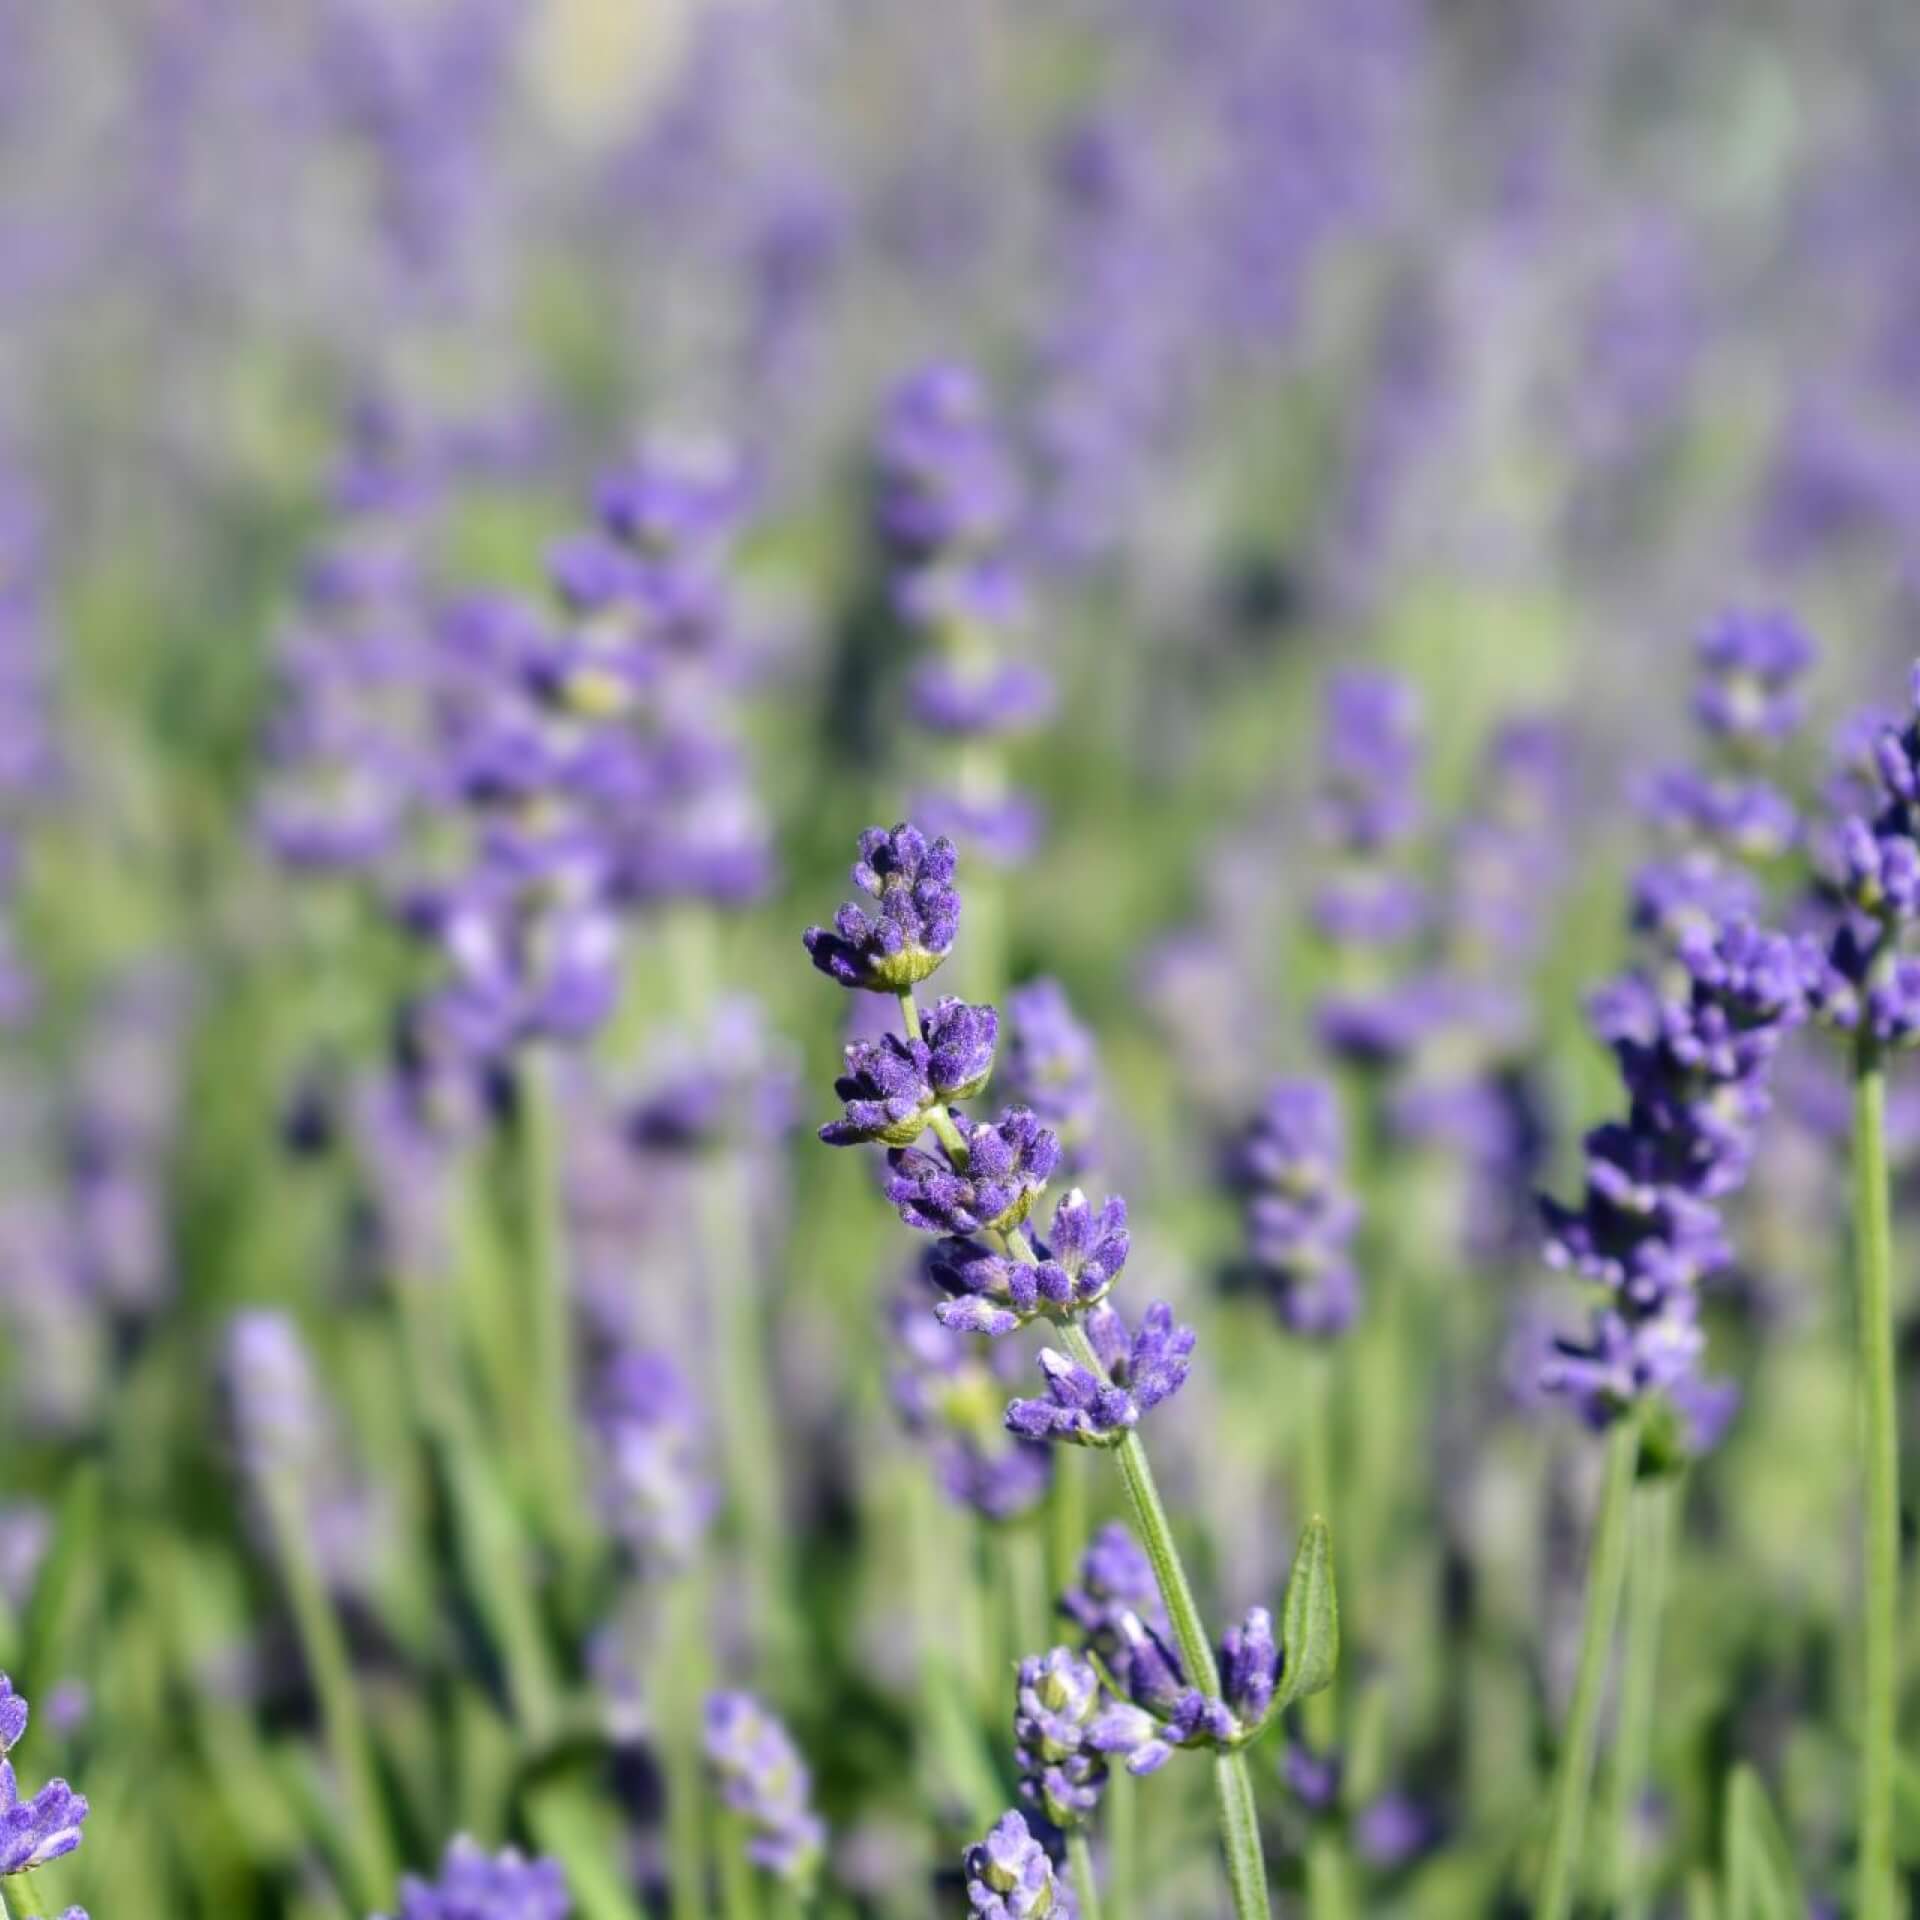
739 1888
1606 1573
1066 1521
544 1247
1656 1507
1086 1885
1873 1251
681 1681
725 1237
1327 1887
366 1842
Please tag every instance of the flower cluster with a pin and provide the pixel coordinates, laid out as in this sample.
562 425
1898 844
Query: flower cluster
1299 1213
1860 980
1694 1055
976 1184
476 1885
760 1775
43 1826
1009 1877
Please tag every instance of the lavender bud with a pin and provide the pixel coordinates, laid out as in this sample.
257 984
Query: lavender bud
918 918
1007 1165
1250 1666
45 1825
1009 1877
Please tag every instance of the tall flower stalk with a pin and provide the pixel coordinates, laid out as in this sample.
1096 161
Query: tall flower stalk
976 1188
1862 983
1694 1046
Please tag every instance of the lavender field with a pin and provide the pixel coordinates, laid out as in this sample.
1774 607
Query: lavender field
956 960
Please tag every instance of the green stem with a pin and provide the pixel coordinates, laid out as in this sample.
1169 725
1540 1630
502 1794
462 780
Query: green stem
1233 1787
1086 1886
1123 1851
1066 1521
367 1841
1656 1509
1873 1251
487 1529
1322 1710
543 1226
1329 1891
1606 1573
746 1398
681 1688
1023 1575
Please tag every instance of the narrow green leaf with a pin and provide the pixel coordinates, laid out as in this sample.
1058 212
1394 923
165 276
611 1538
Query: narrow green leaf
1762 1883
1310 1624
1906 1809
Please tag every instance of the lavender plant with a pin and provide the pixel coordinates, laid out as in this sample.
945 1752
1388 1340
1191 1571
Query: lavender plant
976 1188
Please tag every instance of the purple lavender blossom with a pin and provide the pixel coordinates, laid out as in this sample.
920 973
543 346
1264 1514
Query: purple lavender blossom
1009 1877
1053 1067
944 479
761 1776
1057 1697
475 1885
1694 1060
1369 796
890 1083
43 1826
1075 1266
1116 1579
919 914
1300 1216
1005 1167
1140 1371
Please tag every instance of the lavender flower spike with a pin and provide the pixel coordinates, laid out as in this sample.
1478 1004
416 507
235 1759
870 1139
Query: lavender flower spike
760 1775
1077 1265
897 948
1007 1166
474 1885
890 1083
1087 1411
45 1825
1009 1877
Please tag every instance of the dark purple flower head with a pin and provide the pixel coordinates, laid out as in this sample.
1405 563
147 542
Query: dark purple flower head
1089 1409
1057 1697
919 914
761 1776
43 1827
1009 1877
1052 1066
475 1885
993 1292
960 1039
887 1091
1751 666
1007 1164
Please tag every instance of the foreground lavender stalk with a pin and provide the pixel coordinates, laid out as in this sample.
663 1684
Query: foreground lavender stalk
978 1190
41 1828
